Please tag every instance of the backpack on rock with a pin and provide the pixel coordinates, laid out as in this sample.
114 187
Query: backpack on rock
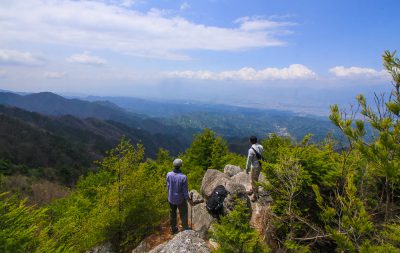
215 204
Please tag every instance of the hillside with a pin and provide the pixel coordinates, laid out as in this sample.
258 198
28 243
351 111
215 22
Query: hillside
52 104
67 143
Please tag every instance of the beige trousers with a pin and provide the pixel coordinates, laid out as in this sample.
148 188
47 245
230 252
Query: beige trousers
255 173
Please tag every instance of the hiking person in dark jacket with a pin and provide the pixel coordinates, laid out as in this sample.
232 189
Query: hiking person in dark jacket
178 195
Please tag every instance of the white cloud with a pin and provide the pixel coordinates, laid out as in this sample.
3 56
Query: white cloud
293 72
54 75
123 3
86 58
127 3
19 58
260 24
184 6
359 73
111 26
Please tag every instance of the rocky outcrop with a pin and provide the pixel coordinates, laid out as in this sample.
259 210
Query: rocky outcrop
244 179
232 170
238 183
196 197
186 241
213 178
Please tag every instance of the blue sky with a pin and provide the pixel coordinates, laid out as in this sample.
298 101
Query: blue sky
212 50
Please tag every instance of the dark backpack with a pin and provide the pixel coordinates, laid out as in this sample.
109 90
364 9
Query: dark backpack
215 204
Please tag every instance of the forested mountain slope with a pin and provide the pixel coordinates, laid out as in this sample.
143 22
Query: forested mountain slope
67 143
52 104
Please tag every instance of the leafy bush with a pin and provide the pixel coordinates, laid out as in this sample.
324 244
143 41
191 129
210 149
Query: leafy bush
121 203
234 233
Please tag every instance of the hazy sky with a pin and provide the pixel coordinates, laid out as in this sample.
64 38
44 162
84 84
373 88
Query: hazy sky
222 50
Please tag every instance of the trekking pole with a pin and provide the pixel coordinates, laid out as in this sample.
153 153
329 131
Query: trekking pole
191 211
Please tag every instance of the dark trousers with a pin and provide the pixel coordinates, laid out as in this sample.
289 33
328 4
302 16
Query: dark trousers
183 213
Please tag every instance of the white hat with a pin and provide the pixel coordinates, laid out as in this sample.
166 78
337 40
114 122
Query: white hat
177 163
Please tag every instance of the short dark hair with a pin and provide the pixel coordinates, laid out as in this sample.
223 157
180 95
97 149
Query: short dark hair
253 139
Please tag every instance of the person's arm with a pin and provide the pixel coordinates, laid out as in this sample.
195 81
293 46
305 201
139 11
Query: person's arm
248 162
185 189
167 179
168 185
186 192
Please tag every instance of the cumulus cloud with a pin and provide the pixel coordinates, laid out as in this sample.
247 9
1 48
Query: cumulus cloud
87 59
54 75
358 73
184 6
19 58
112 26
293 72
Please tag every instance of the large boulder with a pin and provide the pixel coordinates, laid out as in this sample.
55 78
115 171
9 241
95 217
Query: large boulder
232 170
213 178
196 197
236 191
199 217
187 241
244 179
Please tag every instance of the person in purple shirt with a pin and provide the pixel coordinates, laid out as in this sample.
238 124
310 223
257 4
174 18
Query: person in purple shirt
178 195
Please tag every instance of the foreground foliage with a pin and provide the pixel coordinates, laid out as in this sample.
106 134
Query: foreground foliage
346 200
234 233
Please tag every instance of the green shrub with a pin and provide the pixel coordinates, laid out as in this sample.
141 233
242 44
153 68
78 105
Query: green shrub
234 233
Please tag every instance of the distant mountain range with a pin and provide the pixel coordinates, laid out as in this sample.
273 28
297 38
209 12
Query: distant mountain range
232 122
176 118
97 123
45 130
180 118
51 104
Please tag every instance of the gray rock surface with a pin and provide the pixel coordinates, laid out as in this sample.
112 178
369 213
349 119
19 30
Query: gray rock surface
157 249
232 170
141 248
196 197
185 242
104 248
244 179
211 179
